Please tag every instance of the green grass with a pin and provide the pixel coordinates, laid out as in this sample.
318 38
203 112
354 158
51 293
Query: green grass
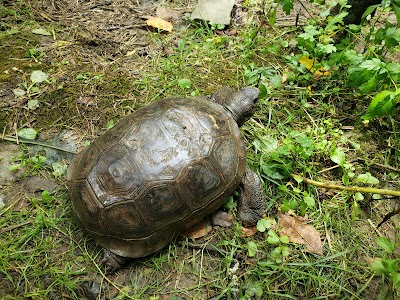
44 254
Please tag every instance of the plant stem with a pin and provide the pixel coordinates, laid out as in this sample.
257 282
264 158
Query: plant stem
32 142
347 188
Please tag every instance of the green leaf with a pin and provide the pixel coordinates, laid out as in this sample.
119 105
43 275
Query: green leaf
284 239
181 45
272 16
369 10
110 124
254 289
386 244
33 104
230 203
382 104
358 196
355 211
276 81
367 178
393 33
396 9
19 92
263 224
251 248
27 133
310 31
285 250
184 83
335 20
396 280
357 76
369 86
287 5
273 237
59 169
374 64
41 31
266 144
378 267
393 68
309 200
338 156
38 76
326 49
390 265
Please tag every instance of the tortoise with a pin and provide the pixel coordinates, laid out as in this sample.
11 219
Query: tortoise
163 168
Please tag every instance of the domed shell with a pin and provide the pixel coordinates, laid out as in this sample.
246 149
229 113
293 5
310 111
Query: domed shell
157 172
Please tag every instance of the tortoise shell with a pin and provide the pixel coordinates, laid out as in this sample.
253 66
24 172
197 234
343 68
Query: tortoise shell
157 172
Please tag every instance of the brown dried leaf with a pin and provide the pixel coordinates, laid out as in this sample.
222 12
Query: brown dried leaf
198 230
159 23
300 233
167 14
249 231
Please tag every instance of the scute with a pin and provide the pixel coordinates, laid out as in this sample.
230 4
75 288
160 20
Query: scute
115 177
124 221
164 203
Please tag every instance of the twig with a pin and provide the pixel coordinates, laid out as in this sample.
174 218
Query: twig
388 216
347 188
100 4
32 142
9 228
373 226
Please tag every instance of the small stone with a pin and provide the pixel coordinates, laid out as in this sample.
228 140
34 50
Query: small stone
217 12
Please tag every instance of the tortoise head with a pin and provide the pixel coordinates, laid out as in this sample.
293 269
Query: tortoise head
240 104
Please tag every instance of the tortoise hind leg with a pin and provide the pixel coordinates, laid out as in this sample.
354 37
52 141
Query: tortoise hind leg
112 262
251 203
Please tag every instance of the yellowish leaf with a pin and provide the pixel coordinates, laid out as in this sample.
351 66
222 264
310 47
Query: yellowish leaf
309 64
159 23
306 61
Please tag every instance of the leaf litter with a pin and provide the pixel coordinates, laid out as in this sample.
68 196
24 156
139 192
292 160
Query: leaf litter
299 232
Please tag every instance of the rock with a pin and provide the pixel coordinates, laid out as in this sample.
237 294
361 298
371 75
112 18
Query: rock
7 153
215 11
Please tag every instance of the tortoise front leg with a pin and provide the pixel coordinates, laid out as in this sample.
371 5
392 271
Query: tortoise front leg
251 203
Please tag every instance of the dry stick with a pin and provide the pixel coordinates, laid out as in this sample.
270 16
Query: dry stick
12 227
347 188
32 142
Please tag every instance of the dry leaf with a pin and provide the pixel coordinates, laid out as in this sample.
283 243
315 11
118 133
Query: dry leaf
159 23
167 14
198 230
249 231
300 233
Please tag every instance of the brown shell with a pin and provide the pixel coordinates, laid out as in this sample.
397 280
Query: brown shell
157 172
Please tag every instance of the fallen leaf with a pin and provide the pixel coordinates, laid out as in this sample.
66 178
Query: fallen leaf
167 14
198 230
159 23
300 233
249 231
309 63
